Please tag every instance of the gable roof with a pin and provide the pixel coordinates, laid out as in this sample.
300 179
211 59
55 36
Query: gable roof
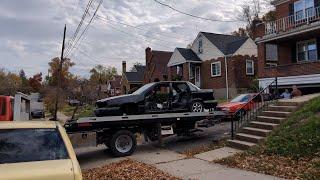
136 76
161 59
188 54
227 44
115 82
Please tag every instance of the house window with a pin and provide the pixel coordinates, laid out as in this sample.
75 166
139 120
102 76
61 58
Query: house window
303 9
271 52
249 67
307 50
191 71
200 46
179 70
216 69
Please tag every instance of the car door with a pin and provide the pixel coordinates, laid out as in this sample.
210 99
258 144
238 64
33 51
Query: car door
181 95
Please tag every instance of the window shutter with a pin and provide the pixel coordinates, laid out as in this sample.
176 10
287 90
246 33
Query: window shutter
294 53
291 9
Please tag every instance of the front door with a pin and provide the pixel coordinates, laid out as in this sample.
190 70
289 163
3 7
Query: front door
197 76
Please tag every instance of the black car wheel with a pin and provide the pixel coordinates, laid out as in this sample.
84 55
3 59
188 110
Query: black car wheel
197 106
123 143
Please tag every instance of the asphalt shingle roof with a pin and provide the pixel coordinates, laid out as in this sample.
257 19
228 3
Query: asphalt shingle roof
188 54
227 44
136 76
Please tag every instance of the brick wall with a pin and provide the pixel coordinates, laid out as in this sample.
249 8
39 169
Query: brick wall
237 78
304 68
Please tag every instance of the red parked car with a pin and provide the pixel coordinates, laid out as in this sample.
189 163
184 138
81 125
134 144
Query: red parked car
244 101
6 110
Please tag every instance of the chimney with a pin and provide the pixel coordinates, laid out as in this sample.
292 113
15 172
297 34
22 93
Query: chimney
148 55
124 66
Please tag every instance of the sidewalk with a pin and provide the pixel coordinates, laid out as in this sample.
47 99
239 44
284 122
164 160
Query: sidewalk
173 163
178 165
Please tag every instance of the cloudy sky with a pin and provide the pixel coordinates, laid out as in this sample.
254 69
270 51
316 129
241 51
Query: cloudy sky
31 30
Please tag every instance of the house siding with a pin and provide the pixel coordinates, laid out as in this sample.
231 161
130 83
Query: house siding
210 51
248 48
176 58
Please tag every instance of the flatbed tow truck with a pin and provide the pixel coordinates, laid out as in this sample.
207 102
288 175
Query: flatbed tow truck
118 132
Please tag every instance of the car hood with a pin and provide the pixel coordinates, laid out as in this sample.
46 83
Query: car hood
118 100
230 104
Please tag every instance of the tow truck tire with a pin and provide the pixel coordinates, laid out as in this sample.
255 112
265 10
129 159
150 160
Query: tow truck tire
123 143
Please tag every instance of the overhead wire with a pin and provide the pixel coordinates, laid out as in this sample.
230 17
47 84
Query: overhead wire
139 28
194 16
71 40
86 28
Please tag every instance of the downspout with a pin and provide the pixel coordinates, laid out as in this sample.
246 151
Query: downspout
226 69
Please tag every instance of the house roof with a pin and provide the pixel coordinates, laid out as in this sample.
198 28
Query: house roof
161 59
188 54
116 82
136 76
227 44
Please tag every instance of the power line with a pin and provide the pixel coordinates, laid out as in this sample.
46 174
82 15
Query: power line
147 36
139 28
139 37
86 28
188 14
71 41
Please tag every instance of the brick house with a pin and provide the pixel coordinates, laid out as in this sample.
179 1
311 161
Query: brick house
203 63
156 65
289 47
132 80
113 87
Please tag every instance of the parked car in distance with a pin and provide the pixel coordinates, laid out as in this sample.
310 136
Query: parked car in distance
36 150
158 97
37 113
74 102
241 101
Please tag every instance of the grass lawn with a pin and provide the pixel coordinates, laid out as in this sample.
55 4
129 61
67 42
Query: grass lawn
83 111
292 151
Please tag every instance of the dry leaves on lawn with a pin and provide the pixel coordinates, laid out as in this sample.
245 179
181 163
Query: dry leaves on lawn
126 169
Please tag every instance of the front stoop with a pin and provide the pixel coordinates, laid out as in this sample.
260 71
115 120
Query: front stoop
260 128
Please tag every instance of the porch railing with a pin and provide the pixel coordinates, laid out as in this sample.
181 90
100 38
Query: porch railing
250 111
290 22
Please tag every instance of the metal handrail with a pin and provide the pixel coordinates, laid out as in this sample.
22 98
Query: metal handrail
292 21
242 117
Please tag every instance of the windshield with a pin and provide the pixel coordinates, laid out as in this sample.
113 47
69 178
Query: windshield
193 87
241 98
25 145
143 88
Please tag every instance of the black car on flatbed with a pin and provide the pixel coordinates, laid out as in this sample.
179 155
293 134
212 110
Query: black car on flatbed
158 97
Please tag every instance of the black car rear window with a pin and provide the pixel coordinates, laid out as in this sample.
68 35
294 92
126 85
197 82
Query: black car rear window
25 145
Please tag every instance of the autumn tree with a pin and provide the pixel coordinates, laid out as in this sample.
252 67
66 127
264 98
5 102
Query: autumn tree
100 75
65 73
35 82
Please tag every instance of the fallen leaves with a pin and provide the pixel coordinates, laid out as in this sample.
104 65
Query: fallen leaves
204 148
126 169
280 166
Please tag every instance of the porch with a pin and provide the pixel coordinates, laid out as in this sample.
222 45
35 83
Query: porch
297 21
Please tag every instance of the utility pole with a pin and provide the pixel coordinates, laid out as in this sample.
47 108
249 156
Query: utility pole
59 75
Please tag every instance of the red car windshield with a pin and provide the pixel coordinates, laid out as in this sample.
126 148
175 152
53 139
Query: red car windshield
241 98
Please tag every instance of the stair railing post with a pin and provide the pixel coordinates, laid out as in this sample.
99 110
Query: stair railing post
232 130
276 81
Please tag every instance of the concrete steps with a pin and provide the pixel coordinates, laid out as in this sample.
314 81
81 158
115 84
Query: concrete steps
242 145
263 125
249 138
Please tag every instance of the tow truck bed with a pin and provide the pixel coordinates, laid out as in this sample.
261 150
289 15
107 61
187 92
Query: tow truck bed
110 128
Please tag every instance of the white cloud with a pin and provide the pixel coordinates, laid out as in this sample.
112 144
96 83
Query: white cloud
33 30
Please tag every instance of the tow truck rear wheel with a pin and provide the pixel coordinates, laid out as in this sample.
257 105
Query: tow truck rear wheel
123 143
